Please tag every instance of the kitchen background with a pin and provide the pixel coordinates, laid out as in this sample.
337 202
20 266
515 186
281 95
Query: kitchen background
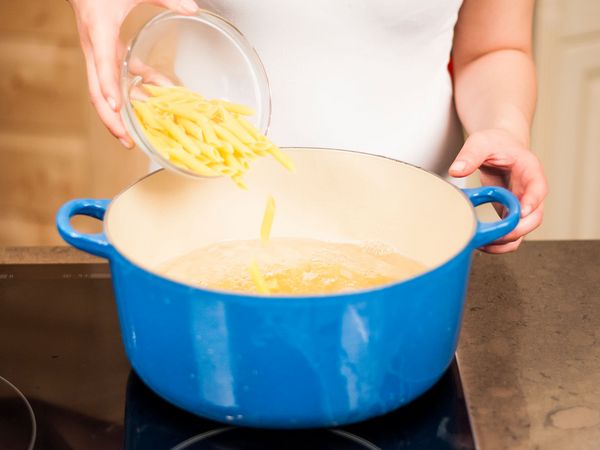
54 148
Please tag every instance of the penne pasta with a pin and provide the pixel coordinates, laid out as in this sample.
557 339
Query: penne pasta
281 157
144 114
192 128
249 128
193 163
209 133
208 137
234 128
239 180
234 107
267 222
181 137
226 135
225 148
258 278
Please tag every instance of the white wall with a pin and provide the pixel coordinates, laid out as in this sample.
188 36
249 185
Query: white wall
566 133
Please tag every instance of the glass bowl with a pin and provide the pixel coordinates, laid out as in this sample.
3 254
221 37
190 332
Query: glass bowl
204 53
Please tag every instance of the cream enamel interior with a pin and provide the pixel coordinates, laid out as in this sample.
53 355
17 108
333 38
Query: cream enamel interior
333 195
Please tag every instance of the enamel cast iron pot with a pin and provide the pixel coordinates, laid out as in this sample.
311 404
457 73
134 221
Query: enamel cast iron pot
292 362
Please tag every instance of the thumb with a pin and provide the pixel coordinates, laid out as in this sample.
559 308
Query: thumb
468 160
185 7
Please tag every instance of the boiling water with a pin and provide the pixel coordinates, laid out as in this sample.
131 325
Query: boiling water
292 266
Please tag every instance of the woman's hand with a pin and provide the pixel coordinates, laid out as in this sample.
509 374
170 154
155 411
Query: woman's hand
504 161
494 93
99 24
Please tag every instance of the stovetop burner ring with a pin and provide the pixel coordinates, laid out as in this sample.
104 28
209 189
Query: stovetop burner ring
208 434
199 437
21 396
357 439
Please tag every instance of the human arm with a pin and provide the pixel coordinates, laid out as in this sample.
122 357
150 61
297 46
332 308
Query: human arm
495 93
99 23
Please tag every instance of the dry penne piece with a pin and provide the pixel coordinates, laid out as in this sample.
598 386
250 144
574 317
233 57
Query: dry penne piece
237 179
235 107
249 128
192 128
208 137
227 136
227 147
195 133
265 233
179 135
179 111
144 114
173 151
267 222
192 163
162 91
258 278
208 131
281 157
231 161
234 128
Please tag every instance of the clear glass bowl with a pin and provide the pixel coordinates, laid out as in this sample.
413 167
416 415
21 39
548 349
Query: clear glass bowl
204 53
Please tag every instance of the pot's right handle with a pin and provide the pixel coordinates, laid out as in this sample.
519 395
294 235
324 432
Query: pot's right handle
96 244
489 232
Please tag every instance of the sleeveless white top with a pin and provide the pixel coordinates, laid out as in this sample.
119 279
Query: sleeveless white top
366 75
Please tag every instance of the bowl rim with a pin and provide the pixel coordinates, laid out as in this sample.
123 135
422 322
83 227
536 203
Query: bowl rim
337 296
127 114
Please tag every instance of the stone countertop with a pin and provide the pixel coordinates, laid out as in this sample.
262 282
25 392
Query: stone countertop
528 352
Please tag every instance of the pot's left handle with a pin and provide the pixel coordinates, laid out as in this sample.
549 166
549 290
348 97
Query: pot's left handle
96 244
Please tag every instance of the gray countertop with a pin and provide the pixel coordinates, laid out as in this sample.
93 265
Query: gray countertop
528 351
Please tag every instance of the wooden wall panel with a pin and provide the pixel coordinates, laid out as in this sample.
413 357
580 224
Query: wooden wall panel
53 146
47 18
42 86
38 172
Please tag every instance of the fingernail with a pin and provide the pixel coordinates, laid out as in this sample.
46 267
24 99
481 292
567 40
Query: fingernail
525 211
458 166
112 103
125 143
189 6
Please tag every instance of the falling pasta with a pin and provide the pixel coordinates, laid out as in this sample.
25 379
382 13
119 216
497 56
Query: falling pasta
265 233
259 279
208 137
267 223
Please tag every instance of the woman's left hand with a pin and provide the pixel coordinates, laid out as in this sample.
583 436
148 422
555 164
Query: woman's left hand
505 161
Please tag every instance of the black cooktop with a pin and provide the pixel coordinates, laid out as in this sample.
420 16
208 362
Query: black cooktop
65 383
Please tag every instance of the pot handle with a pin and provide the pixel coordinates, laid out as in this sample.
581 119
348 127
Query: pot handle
96 244
489 232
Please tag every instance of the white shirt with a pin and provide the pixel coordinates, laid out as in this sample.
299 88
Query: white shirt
367 75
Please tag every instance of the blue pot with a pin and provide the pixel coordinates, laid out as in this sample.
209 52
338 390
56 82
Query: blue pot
292 362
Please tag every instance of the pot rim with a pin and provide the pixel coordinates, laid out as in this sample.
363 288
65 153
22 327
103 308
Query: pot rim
310 297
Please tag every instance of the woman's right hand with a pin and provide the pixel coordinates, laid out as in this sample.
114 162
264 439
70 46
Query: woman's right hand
99 24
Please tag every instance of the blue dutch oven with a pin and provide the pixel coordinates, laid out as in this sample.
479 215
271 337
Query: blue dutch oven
292 362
